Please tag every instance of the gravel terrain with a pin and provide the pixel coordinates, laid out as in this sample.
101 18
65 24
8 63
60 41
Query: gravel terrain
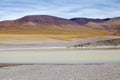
61 72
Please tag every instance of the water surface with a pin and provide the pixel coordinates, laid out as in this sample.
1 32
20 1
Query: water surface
60 56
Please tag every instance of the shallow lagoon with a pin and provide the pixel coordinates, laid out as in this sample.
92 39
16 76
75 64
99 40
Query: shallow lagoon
60 56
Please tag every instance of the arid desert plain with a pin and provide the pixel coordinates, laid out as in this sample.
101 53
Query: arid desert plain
45 47
61 72
59 64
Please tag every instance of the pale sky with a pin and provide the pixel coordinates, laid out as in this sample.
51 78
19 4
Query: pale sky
13 9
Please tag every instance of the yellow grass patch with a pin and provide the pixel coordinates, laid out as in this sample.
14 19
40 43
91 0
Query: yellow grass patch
42 37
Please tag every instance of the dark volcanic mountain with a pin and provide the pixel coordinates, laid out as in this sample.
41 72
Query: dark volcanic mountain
44 19
83 21
112 25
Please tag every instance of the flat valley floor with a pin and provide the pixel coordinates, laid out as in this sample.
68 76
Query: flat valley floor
76 71
61 72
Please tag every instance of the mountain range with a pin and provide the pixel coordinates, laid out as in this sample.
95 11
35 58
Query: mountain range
45 24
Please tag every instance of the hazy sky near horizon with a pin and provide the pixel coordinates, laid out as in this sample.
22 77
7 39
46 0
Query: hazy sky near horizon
13 9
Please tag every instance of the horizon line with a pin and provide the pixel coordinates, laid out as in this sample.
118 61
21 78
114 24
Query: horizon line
59 17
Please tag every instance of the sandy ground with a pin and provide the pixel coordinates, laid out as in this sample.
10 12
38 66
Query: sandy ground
61 72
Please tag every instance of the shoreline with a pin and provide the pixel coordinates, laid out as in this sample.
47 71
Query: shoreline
7 65
63 48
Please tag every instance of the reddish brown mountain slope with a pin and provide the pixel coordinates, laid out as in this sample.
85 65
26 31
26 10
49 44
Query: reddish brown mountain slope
112 25
45 24
37 24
